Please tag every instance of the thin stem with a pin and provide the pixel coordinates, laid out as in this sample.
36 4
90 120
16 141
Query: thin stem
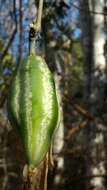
39 17
35 28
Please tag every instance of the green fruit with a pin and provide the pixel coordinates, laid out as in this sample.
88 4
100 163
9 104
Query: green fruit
33 107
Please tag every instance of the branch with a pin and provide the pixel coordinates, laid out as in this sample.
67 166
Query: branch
12 36
8 45
81 110
35 28
75 130
39 17
20 35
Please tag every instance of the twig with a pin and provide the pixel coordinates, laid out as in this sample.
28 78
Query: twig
5 91
75 130
8 45
39 17
35 28
12 36
20 35
81 110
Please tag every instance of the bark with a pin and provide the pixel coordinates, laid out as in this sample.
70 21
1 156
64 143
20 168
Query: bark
93 40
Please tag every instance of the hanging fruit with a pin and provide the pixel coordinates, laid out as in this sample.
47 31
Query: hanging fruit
33 107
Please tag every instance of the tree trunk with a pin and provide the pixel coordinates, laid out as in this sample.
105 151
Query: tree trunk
93 40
